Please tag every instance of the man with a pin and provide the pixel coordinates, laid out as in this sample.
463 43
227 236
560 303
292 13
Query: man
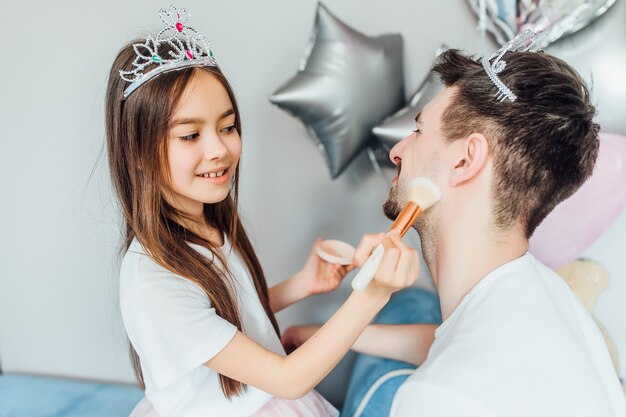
506 141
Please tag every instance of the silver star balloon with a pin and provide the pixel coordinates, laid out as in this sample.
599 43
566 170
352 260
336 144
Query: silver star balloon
505 19
400 124
346 84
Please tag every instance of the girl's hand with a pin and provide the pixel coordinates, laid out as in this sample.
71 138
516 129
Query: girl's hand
319 276
399 267
295 336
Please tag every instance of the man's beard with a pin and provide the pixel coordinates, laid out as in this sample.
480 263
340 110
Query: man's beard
394 203
426 225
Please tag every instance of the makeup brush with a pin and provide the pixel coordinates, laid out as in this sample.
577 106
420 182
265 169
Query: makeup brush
423 193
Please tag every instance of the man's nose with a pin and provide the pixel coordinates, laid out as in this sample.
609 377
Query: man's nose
396 152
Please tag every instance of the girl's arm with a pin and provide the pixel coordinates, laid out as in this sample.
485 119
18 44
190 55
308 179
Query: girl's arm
287 292
298 373
403 342
317 277
295 375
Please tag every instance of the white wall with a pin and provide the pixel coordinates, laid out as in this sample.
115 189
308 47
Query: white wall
58 283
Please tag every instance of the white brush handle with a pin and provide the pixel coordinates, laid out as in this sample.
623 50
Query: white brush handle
369 268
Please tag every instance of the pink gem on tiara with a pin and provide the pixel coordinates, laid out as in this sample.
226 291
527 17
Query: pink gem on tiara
187 47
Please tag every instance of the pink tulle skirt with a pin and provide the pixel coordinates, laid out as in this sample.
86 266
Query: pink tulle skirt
311 405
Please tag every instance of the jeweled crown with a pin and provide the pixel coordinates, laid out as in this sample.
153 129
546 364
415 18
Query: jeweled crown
522 42
187 47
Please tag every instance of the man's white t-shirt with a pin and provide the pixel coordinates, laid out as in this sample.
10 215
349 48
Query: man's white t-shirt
175 330
518 345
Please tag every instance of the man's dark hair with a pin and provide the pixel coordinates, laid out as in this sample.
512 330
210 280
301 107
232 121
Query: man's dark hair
544 145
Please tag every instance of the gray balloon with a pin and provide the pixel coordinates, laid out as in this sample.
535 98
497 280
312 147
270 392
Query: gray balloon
400 124
346 84
598 53
554 18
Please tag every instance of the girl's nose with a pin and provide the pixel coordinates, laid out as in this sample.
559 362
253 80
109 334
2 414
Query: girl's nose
214 148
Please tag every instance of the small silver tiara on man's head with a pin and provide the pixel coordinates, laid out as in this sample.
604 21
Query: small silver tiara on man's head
186 48
520 43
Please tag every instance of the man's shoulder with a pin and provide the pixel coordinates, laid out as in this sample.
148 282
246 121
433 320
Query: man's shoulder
520 295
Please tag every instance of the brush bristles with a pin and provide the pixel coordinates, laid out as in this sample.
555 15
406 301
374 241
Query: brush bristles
423 192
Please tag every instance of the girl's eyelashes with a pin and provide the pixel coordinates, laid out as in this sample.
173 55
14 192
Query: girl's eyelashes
193 136
189 138
229 129
417 131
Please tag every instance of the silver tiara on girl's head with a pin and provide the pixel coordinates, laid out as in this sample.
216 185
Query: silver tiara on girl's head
521 42
188 48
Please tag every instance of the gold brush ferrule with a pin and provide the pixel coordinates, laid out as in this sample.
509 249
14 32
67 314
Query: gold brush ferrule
406 218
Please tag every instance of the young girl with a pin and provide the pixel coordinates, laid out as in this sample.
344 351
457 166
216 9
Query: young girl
194 300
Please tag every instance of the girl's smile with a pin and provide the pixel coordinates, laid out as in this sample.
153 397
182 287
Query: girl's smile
217 176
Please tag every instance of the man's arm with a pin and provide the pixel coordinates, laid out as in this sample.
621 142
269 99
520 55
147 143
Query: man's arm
404 342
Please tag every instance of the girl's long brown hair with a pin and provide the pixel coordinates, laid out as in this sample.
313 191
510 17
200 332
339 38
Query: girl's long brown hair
136 132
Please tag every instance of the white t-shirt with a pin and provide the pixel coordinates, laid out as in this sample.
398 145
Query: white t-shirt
175 330
518 345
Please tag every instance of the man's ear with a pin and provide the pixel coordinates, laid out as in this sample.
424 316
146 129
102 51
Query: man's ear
473 153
